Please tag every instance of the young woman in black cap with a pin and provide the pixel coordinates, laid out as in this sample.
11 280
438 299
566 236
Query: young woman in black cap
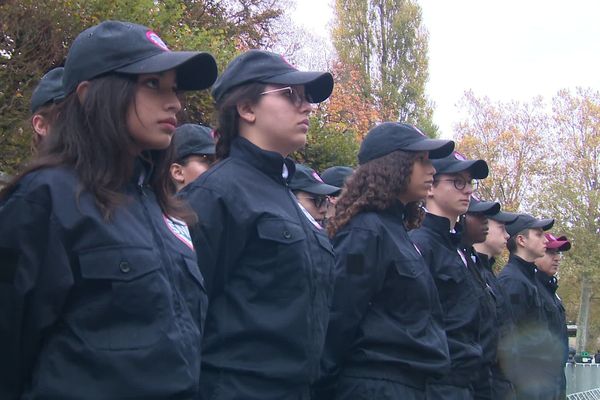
100 294
268 268
386 338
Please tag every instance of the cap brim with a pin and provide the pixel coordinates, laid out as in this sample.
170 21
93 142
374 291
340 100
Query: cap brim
544 224
485 207
437 148
504 217
477 168
195 70
321 189
208 150
560 245
318 85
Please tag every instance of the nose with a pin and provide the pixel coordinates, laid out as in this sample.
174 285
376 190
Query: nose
173 103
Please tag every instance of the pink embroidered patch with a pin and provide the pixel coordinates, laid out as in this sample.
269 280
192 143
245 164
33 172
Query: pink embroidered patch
156 40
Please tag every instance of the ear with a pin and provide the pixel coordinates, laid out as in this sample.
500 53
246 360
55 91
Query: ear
39 124
246 112
81 90
176 171
520 240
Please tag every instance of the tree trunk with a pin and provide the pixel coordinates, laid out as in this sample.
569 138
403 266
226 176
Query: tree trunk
584 312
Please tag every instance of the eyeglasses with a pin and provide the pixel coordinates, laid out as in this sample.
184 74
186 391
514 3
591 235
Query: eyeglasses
293 95
461 183
319 201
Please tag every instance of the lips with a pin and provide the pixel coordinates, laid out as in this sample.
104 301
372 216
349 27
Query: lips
170 123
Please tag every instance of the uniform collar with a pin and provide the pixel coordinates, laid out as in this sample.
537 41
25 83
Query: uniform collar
441 225
396 210
143 168
527 267
486 260
269 162
549 281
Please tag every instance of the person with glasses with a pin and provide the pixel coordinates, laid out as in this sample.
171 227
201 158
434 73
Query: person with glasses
533 349
386 338
312 194
547 269
194 153
268 269
335 176
439 241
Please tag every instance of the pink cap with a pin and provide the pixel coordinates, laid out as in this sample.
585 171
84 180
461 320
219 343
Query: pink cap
559 243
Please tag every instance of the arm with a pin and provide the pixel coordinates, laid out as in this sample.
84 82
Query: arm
35 277
359 273
214 240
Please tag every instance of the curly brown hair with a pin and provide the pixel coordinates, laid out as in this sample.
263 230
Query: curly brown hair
376 186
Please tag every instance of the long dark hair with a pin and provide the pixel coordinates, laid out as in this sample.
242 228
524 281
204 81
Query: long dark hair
91 136
377 186
228 122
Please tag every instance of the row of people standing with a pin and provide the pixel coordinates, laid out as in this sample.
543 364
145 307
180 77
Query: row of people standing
106 294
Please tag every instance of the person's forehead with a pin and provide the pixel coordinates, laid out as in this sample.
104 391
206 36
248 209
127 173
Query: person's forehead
462 174
493 222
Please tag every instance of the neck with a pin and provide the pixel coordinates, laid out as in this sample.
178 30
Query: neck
433 208
250 133
525 255
483 249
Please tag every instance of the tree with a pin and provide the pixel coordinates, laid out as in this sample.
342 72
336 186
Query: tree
385 39
35 37
509 137
571 193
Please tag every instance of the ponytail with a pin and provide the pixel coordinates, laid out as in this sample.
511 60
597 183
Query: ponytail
228 122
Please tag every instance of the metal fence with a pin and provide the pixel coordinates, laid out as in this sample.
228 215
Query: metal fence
583 381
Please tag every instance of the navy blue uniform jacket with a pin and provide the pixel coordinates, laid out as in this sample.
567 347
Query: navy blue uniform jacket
386 319
269 271
459 296
536 349
554 311
95 309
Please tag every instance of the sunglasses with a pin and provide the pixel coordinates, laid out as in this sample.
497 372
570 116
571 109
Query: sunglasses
319 201
293 95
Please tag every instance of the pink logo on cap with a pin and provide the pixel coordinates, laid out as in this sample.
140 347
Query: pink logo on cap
156 40
419 131
317 177
459 156
286 61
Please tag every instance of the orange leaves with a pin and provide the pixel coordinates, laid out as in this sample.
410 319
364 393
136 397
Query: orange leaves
350 105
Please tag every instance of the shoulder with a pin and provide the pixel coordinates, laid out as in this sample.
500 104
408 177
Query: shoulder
42 185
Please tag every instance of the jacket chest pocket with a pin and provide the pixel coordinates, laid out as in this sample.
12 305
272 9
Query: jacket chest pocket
123 298
278 260
410 285
455 288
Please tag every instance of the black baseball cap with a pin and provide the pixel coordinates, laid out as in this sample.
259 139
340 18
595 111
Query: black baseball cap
128 48
504 217
48 89
456 162
191 139
307 180
486 208
526 221
336 176
266 67
388 137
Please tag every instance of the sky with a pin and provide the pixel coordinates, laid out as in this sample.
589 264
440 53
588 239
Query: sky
505 50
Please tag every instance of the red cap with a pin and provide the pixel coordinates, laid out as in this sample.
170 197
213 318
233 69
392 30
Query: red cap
559 243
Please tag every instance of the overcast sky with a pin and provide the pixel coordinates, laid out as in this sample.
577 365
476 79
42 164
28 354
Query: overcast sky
508 50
